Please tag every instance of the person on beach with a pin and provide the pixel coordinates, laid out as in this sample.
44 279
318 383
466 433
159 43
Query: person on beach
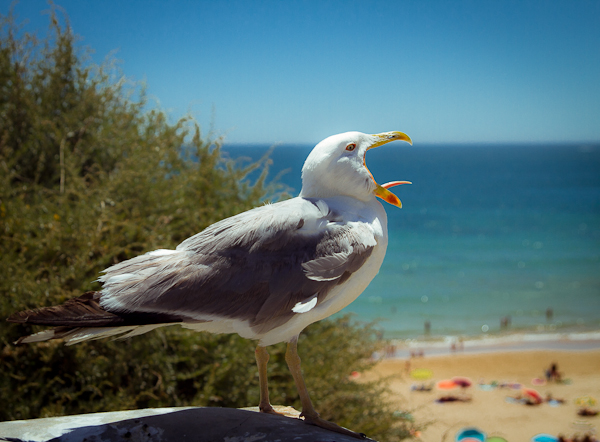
552 374
528 400
525 399
585 438
552 399
586 411
453 398
422 387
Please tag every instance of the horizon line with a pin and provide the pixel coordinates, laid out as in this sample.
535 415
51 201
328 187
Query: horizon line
450 143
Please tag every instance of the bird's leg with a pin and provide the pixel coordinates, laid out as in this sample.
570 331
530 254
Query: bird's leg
262 358
308 411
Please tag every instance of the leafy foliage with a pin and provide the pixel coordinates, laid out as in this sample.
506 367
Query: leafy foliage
88 178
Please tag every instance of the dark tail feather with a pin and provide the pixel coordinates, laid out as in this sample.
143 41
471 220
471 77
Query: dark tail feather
81 314
84 311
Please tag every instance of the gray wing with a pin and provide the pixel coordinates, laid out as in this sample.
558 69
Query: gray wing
256 266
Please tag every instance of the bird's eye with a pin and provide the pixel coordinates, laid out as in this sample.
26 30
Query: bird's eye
351 147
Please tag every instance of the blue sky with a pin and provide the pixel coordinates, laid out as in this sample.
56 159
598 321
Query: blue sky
298 71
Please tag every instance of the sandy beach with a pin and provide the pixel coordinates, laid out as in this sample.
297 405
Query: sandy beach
489 409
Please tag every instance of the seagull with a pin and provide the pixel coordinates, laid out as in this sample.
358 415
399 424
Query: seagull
264 274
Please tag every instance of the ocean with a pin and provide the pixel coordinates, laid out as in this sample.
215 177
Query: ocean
492 240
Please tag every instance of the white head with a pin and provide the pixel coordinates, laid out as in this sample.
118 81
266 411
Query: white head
336 166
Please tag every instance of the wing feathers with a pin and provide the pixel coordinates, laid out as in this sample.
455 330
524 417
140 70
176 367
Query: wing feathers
253 267
326 268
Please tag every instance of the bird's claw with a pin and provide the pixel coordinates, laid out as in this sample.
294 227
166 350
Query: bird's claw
269 410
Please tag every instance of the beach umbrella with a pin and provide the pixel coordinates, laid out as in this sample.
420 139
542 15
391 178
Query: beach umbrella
543 437
446 384
586 401
462 381
470 434
421 374
534 394
495 439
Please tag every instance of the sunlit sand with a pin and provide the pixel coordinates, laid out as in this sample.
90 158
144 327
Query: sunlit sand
496 410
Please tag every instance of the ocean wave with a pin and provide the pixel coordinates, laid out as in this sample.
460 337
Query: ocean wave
574 341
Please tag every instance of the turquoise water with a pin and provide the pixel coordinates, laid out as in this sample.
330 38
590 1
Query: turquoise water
486 232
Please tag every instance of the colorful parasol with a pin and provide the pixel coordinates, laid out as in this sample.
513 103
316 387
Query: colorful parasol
543 437
533 394
586 401
446 384
421 374
470 434
462 381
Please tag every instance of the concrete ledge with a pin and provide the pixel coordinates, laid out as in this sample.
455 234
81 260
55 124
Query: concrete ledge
196 424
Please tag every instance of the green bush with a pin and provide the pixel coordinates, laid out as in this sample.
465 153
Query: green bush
89 177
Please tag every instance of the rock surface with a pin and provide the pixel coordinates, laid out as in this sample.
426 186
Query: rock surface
196 424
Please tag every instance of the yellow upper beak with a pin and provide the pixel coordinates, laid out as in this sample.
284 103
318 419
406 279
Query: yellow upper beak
382 191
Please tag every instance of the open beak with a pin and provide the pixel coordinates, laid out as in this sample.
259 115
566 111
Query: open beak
382 191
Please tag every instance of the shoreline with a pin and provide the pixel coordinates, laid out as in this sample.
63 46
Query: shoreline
510 342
